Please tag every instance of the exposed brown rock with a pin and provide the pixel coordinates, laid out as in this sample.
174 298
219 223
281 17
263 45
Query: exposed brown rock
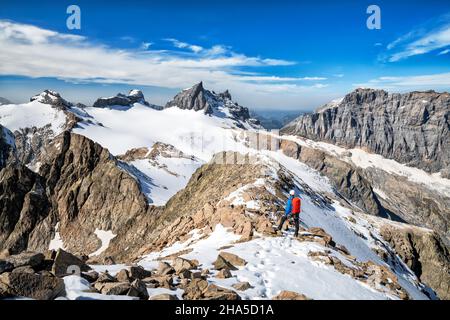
138 272
113 288
164 268
138 289
164 296
224 274
290 295
424 253
233 259
30 285
64 263
180 264
123 276
242 286
222 263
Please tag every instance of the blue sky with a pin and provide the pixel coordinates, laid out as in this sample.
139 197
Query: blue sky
270 54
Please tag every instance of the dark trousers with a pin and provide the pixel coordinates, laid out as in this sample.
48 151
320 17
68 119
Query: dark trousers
296 223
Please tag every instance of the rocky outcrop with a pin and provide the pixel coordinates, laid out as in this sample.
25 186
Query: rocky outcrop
122 100
197 98
35 286
411 128
23 206
89 191
51 97
411 201
7 146
80 185
424 253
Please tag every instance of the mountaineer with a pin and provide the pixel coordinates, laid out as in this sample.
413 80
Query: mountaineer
293 207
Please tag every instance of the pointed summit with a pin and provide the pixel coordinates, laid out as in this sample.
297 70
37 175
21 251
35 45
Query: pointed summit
197 98
194 98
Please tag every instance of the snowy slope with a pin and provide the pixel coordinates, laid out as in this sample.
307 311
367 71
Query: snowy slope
32 114
193 133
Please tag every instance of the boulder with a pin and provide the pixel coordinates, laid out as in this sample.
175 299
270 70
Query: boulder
113 288
65 261
27 258
123 276
164 268
138 272
164 296
35 286
214 292
233 259
290 295
105 277
222 263
138 289
180 264
194 290
185 274
165 281
90 276
242 286
224 274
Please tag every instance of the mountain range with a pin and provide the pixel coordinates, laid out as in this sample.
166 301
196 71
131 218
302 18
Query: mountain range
182 201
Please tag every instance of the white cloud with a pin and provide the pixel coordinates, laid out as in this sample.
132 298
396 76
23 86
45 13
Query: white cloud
35 52
183 45
440 80
425 39
444 52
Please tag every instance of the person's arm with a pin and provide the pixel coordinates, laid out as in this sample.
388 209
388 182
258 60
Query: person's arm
288 207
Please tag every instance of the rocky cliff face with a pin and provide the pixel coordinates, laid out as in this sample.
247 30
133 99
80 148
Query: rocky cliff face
424 253
7 146
79 185
23 207
197 98
412 128
134 96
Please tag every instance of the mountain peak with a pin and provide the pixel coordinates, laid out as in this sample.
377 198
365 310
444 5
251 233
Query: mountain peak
197 98
123 100
50 97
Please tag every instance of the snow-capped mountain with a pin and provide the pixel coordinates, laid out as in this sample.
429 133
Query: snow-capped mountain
124 101
187 200
217 104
